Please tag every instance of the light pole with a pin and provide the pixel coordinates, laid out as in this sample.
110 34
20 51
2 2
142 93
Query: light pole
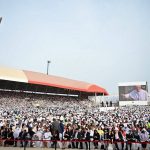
48 62
0 19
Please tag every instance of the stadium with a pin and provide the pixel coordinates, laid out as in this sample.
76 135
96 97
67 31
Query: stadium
45 111
74 75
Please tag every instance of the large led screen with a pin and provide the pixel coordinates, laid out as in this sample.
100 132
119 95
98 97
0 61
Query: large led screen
137 92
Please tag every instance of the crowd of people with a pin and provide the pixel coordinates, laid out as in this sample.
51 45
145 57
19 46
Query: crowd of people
70 122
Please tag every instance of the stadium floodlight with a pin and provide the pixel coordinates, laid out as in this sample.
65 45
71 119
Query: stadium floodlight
48 62
0 19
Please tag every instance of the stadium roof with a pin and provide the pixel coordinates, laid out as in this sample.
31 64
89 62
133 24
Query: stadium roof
48 80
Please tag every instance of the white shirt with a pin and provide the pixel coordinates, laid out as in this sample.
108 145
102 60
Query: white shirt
76 135
39 134
144 136
1 124
47 135
135 95
91 134
16 132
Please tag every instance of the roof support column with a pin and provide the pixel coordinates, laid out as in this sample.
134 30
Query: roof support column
95 97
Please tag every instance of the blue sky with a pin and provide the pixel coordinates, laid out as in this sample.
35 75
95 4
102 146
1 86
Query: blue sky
97 41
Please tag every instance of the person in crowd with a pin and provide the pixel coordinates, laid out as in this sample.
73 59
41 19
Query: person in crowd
16 135
25 137
144 137
122 136
4 133
110 103
20 137
55 125
36 137
91 132
130 138
73 133
81 137
101 133
61 134
55 138
67 137
46 136
106 103
31 133
116 137
148 126
10 138
106 132
75 138
96 138
86 137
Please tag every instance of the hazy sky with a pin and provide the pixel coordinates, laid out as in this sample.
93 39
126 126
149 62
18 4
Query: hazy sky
97 41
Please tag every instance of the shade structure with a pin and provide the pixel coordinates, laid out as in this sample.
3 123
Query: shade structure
12 74
48 80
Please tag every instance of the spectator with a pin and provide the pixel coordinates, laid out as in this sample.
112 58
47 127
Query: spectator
96 138
144 137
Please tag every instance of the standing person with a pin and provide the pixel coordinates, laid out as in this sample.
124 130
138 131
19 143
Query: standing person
61 134
67 136
122 137
39 136
130 138
96 138
73 133
136 134
91 133
31 133
55 137
110 138
25 137
87 138
77 136
116 137
144 137
16 135
21 137
106 132
101 133
107 103
54 130
4 133
81 137
61 130
46 136
148 126
10 138
55 125
110 103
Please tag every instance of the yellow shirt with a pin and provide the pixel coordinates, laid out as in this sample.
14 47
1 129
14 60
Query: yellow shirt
101 132
148 125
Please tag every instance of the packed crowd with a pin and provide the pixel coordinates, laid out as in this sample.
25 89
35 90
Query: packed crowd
45 117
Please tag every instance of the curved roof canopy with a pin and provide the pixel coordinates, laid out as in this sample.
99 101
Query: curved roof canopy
48 80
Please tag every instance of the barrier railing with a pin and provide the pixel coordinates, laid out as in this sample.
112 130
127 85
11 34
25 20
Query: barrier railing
73 144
